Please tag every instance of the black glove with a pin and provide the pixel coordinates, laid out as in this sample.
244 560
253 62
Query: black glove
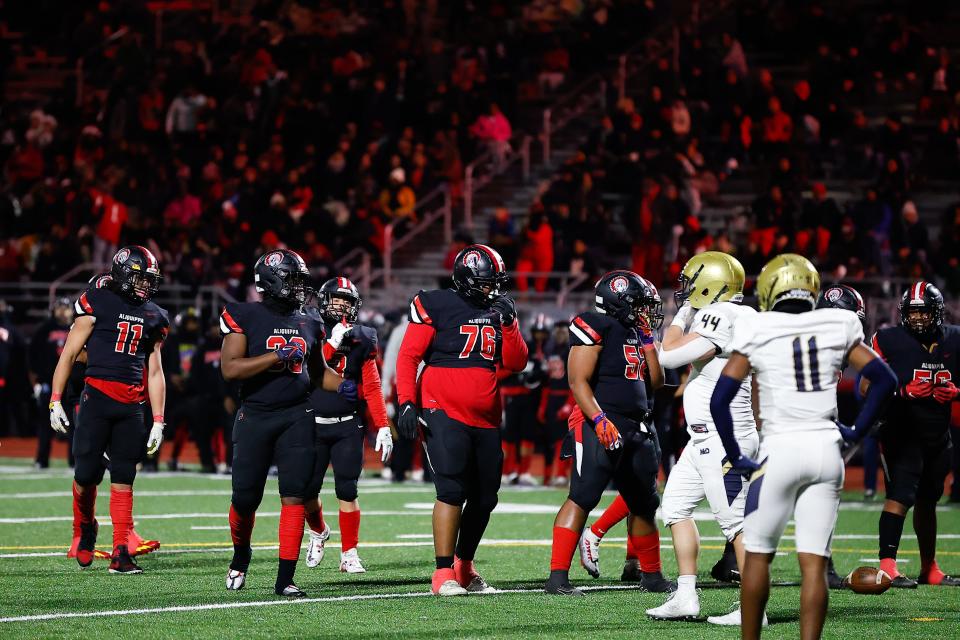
507 308
348 390
407 421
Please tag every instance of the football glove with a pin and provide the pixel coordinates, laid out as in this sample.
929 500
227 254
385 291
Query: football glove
348 390
946 392
607 432
384 442
849 434
683 317
644 331
340 331
745 466
917 389
58 417
507 308
408 422
289 353
155 439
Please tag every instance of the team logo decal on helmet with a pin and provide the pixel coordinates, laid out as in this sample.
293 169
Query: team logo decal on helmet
619 284
122 256
472 259
833 294
274 259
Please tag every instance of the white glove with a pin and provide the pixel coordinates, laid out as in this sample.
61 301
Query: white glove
58 417
338 333
155 439
684 316
385 442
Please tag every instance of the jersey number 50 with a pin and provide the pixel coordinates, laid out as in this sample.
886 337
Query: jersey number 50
275 342
487 338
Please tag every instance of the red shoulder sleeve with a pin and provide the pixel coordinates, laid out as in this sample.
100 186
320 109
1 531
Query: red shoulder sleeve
228 324
515 350
418 311
583 334
416 341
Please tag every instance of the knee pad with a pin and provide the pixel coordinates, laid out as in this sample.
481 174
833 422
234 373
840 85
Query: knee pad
245 501
123 471
346 489
449 491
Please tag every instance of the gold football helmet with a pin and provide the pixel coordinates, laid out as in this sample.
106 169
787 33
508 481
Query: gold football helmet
708 277
787 277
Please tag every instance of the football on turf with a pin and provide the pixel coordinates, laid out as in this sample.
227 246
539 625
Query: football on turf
868 580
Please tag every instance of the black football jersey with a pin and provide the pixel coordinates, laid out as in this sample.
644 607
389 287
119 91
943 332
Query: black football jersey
556 367
285 384
46 345
123 334
467 335
923 418
618 381
330 403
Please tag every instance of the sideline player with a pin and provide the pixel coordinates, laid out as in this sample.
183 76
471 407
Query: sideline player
915 436
612 355
463 335
351 351
797 354
267 346
711 289
122 331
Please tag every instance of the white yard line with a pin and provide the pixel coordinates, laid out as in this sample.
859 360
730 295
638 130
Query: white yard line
270 603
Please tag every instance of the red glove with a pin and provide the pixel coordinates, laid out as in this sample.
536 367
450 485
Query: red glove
916 389
607 432
946 392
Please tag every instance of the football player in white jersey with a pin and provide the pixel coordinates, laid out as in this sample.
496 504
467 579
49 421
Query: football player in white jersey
700 334
796 354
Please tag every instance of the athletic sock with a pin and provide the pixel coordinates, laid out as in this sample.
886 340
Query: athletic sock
632 550
687 584
648 551
285 570
613 514
509 458
473 522
564 544
84 506
121 513
315 520
349 529
932 572
444 562
291 531
891 531
241 527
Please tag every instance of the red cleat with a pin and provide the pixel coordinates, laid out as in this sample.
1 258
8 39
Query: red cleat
444 583
139 546
468 578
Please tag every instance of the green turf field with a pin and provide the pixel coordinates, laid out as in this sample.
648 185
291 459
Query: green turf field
187 513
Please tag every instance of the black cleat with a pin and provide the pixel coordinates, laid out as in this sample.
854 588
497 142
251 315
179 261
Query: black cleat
122 563
947 581
631 571
88 543
726 569
834 581
654 582
558 584
903 582
290 591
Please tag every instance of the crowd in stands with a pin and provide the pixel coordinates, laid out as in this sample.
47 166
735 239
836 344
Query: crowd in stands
309 124
860 102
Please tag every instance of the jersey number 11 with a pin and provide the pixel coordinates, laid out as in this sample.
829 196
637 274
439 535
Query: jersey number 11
798 364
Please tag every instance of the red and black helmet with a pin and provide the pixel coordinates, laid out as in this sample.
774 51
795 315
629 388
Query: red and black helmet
135 273
626 296
925 298
339 287
841 296
476 267
282 275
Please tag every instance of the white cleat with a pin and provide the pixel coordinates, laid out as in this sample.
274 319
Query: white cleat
559 482
590 552
315 547
677 607
350 562
526 480
236 580
451 588
732 619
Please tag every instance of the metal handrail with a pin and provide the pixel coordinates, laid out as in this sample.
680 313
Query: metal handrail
472 184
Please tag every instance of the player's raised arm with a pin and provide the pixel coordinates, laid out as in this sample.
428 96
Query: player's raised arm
515 350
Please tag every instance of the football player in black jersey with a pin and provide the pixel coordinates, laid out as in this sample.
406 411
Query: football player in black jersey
464 336
123 333
925 354
556 404
43 353
612 359
351 350
267 347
